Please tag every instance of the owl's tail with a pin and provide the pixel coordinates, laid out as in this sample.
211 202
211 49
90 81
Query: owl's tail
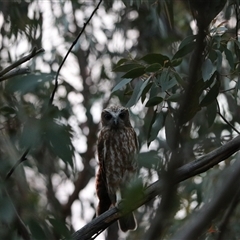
127 222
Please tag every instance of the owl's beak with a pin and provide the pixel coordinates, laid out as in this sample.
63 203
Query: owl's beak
115 120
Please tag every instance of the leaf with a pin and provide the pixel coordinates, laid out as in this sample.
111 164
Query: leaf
121 61
165 80
36 230
134 73
152 58
31 134
219 61
58 138
179 79
187 41
145 91
155 126
121 84
28 83
60 227
170 128
175 97
176 62
148 159
183 51
211 95
229 57
154 101
211 113
127 67
153 67
137 92
7 213
207 69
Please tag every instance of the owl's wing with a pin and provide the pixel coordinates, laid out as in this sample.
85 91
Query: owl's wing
101 185
136 141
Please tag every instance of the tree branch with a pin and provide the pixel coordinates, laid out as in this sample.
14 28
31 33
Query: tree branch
69 50
223 196
22 159
97 225
32 54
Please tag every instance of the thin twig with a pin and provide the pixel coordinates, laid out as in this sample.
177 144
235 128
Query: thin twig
32 54
22 159
224 119
69 50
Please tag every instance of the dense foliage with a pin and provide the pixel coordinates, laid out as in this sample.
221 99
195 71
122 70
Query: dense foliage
174 63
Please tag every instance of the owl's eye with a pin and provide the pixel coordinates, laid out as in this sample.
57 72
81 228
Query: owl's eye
122 115
107 116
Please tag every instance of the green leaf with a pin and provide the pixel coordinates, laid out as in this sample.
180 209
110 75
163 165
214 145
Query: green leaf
165 80
31 134
211 113
155 126
60 227
137 92
152 58
58 138
176 62
208 69
211 95
121 61
183 51
37 230
186 41
153 101
134 73
153 67
229 57
175 97
170 128
179 79
121 84
148 159
127 67
7 213
145 91
28 83
219 61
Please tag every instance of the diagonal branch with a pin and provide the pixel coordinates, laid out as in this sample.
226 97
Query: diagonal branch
69 50
32 54
22 159
97 225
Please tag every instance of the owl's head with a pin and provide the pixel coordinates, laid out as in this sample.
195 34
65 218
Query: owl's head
115 117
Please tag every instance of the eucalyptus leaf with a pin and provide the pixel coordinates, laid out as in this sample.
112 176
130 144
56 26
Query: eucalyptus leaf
152 58
121 84
208 69
137 92
134 73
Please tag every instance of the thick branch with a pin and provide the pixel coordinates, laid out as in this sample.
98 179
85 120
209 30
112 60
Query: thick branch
223 196
191 169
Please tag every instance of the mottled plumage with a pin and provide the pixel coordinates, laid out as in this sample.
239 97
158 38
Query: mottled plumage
117 152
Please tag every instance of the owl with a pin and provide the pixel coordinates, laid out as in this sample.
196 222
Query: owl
117 149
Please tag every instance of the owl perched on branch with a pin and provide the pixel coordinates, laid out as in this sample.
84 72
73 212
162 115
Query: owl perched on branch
117 153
